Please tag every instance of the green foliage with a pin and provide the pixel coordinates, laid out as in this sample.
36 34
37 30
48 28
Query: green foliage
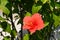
0 26
49 9
4 9
36 1
36 8
6 27
52 3
44 1
26 37
57 5
13 32
3 2
2 19
56 20
46 23
28 14
7 38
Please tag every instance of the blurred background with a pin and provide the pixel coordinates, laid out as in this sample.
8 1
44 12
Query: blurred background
12 13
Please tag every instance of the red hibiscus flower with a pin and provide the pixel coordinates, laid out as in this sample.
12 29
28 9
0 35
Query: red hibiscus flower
33 23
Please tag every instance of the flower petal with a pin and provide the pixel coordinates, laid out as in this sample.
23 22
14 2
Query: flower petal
32 30
33 23
37 19
27 19
26 22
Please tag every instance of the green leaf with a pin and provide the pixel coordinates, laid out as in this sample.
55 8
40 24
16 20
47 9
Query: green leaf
3 2
28 14
7 38
51 8
44 1
26 37
5 9
57 5
36 1
2 19
46 23
52 3
56 20
6 27
13 33
36 8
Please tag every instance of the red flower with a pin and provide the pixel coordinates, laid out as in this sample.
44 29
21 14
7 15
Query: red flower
33 23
